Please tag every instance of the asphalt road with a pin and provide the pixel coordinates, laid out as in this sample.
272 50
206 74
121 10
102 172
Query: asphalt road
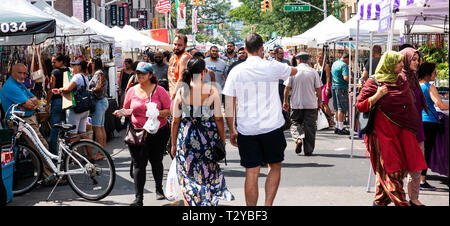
328 178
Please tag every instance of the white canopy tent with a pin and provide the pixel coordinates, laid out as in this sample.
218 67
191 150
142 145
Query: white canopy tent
121 39
126 40
318 33
64 25
145 40
98 37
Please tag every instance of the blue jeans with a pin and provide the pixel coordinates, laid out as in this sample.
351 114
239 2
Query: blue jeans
55 117
98 119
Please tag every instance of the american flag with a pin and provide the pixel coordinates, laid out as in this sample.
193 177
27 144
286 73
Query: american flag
163 6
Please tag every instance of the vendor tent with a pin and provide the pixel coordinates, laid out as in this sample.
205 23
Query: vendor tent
23 24
318 33
123 40
98 37
126 40
145 40
65 26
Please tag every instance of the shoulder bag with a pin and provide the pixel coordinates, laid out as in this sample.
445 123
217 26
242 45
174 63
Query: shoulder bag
366 119
134 136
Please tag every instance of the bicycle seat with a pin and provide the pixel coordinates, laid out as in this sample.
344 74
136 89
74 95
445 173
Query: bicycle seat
65 127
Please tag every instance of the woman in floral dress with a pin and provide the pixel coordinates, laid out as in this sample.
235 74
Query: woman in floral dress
197 124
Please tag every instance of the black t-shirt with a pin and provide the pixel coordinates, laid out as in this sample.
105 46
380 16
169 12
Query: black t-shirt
124 78
58 73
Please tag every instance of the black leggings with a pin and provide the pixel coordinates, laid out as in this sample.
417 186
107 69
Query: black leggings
431 130
153 152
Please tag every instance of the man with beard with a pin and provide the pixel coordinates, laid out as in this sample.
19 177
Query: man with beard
160 70
230 56
218 66
242 56
177 63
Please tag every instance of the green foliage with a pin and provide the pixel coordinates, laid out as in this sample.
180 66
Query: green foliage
213 13
439 56
443 71
285 23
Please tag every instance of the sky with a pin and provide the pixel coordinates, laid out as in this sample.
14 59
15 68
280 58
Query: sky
235 3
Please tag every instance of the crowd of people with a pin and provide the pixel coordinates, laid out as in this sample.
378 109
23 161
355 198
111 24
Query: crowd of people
259 96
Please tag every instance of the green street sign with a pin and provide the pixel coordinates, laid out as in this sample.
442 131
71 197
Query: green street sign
297 8
212 27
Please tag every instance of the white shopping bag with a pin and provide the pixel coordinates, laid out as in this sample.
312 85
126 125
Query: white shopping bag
172 187
322 122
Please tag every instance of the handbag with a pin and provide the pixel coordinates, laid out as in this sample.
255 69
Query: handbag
365 119
218 149
37 74
135 137
84 100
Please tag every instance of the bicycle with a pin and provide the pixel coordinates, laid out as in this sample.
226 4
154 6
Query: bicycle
89 180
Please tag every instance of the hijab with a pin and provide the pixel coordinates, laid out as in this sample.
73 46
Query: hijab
385 71
398 104
411 75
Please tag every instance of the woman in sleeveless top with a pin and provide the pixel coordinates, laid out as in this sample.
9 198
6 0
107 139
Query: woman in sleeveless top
427 72
326 84
125 75
197 122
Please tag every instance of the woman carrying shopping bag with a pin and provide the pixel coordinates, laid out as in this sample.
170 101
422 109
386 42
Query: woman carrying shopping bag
146 146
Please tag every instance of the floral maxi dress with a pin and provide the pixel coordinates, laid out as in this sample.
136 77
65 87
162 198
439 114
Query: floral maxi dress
201 179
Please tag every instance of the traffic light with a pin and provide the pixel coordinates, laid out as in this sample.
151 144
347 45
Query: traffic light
197 2
268 5
220 26
253 29
263 6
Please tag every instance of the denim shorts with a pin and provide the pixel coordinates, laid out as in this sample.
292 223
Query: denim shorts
77 119
98 119
340 99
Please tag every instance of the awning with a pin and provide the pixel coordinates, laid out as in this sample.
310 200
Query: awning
21 24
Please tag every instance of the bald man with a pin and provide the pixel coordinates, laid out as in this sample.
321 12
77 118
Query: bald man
15 92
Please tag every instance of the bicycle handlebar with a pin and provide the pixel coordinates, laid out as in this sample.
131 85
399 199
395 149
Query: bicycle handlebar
16 113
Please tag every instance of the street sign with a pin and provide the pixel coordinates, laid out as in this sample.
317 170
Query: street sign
297 8
212 27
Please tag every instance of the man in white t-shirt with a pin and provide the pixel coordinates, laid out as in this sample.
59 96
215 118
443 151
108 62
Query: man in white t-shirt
253 85
306 98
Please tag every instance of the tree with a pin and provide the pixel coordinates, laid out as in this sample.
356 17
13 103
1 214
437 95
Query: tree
285 23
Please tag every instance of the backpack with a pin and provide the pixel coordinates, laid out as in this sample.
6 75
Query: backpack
84 100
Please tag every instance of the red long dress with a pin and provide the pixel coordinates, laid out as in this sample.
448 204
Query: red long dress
398 146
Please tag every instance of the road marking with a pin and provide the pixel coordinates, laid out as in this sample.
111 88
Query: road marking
340 149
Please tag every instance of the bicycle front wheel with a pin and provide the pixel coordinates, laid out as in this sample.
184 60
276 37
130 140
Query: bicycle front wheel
92 180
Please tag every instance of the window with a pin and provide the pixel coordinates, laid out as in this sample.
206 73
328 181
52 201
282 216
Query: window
48 2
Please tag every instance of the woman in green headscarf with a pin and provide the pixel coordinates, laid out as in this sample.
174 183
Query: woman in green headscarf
392 144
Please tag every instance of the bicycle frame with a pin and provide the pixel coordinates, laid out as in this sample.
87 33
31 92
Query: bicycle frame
24 127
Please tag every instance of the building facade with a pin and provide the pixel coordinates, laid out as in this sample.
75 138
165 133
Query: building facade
138 13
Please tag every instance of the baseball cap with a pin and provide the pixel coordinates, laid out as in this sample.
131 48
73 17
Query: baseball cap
76 62
144 67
